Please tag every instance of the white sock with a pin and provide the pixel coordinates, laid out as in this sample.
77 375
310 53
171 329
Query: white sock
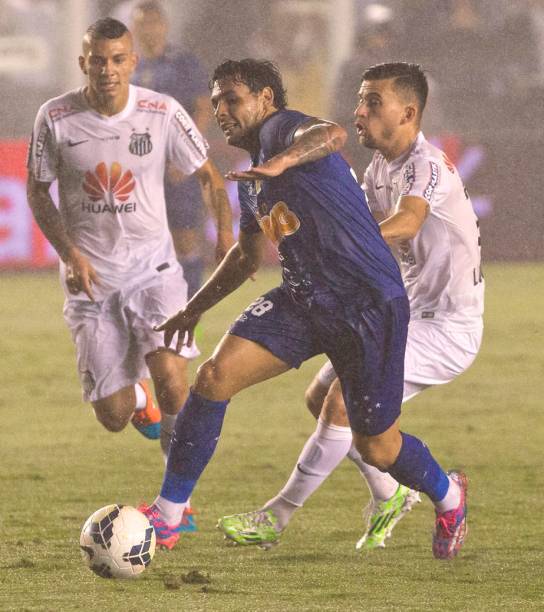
141 397
167 427
381 484
323 451
452 498
171 512
283 511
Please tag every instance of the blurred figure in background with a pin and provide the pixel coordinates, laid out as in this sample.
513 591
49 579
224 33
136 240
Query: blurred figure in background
375 43
180 74
521 58
294 35
460 48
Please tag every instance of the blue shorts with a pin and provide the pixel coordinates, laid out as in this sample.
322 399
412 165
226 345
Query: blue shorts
184 206
365 345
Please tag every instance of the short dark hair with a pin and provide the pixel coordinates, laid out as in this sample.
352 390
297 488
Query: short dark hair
256 74
106 28
408 77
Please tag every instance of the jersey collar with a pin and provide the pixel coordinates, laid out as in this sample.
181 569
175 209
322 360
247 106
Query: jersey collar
397 163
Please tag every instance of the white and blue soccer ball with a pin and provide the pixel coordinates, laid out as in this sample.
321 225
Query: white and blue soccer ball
117 542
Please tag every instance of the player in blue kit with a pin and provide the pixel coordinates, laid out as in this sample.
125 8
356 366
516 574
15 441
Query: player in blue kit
178 73
342 294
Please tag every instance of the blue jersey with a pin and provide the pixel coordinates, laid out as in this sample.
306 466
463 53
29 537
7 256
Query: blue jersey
328 242
175 73
182 76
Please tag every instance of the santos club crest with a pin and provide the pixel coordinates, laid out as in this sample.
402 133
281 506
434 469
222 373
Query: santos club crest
140 144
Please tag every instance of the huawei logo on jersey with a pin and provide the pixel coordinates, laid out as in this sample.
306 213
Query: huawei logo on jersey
115 183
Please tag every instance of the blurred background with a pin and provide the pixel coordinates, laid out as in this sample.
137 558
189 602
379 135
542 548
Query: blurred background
484 60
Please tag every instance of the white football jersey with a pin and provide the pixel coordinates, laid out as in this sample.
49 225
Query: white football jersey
441 265
110 173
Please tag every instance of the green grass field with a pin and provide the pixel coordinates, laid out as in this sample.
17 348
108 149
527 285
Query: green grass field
57 466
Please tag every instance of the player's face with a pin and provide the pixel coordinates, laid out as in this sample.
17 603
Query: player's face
109 64
379 114
239 112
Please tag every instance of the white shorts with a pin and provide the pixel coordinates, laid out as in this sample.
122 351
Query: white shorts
113 337
435 355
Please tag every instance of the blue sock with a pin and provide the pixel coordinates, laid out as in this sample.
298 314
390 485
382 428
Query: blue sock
195 436
416 468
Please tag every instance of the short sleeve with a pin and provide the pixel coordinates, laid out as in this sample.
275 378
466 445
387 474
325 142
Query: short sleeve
278 131
186 147
42 160
420 177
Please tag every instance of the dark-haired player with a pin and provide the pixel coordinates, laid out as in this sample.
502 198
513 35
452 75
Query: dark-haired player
342 294
427 219
107 144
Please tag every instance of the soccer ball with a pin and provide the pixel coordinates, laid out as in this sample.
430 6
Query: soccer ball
117 542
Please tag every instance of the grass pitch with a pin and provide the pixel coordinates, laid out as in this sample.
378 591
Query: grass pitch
57 466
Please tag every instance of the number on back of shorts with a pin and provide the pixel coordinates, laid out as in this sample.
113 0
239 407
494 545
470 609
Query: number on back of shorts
260 306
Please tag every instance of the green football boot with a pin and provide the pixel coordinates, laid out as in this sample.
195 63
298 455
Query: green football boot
259 527
382 517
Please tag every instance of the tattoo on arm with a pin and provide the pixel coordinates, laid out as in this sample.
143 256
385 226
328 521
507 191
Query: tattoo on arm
316 142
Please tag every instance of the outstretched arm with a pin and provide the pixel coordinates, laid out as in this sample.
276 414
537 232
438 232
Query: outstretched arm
80 274
313 140
217 201
243 260
406 221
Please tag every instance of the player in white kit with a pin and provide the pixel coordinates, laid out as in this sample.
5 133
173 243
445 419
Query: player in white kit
107 144
426 216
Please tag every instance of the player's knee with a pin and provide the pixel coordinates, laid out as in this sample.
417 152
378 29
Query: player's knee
315 396
111 421
333 411
169 374
313 402
211 381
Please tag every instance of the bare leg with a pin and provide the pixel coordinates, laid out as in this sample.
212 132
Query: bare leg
115 411
169 374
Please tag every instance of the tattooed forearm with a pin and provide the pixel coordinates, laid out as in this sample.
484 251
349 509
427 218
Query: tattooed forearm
317 142
312 142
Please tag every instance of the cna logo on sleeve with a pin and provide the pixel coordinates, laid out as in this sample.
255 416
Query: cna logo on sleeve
109 190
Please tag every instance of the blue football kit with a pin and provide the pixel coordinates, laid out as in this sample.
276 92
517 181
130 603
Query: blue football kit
182 76
342 293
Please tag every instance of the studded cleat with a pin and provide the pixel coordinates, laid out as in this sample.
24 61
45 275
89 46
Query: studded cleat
259 527
148 420
382 517
188 523
450 527
167 535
